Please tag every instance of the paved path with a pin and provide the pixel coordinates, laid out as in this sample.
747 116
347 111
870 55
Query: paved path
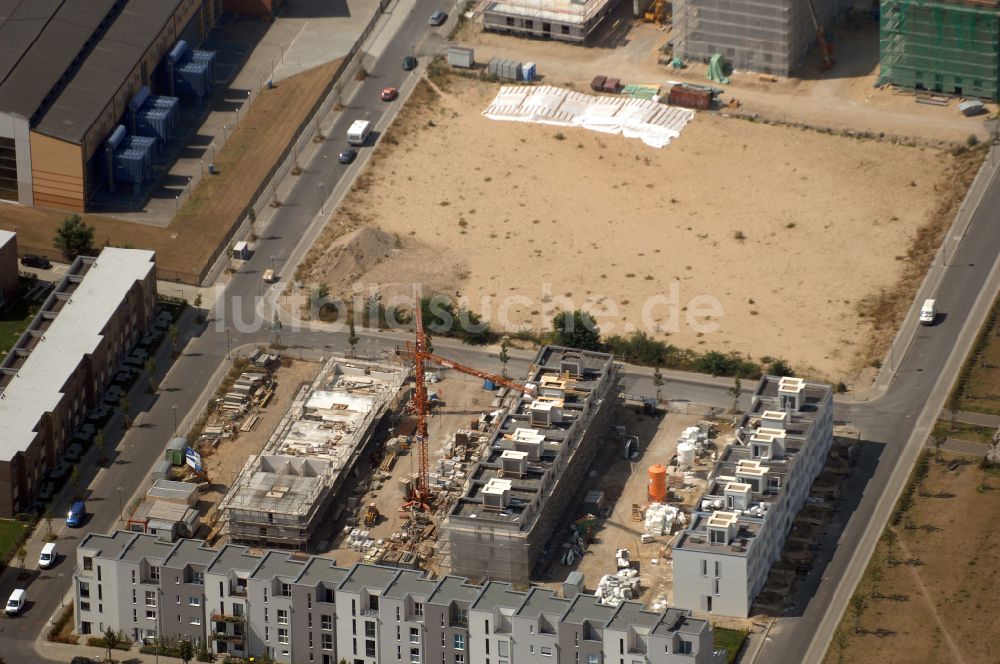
979 419
956 446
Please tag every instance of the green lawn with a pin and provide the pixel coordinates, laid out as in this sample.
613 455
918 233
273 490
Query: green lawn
13 322
730 639
11 533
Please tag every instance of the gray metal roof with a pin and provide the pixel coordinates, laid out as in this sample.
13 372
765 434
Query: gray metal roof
322 570
410 582
144 547
454 589
498 595
279 564
234 558
542 601
107 546
190 552
39 42
36 389
587 608
367 577
78 106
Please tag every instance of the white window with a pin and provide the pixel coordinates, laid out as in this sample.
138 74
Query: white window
327 641
326 622
282 636
418 609
150 615
459 642
459 659
414 655
195 620
546 651
414 635
194 601
150 598
592 659
282 617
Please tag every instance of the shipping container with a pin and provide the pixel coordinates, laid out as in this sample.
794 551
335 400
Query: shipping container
597 85
682 95
461 57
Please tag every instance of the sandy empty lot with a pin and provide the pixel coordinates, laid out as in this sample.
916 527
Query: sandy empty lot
787 229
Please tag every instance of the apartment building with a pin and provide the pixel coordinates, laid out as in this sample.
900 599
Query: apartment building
60 367
537 458
757 487
305 609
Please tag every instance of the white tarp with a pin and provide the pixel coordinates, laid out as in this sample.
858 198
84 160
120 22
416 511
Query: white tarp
654 123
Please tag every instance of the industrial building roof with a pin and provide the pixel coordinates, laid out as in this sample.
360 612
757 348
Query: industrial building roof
76 331
105 68
40 40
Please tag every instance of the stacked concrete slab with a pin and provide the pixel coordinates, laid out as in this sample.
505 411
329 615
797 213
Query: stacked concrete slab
769 36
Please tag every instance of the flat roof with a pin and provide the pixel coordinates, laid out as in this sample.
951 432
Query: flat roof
634 614
280 564
105 68
454 589
588 608
410 582
574 396
322 570
498 594
367 577
39 42
108 546
146 546
190 552
76 331
234 558
541 601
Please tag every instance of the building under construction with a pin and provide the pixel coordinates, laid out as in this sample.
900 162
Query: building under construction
946 46
564 20
535 464
282 495
770 37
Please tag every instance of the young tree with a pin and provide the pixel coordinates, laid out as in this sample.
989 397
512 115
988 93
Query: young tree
735 391
352 337
576 329
658 383
186 651
877 577
124 405
252 218
99 443
74 237
74 481
504 356
173 333
151 371
890 538
858 607
841 639
938 436
48 520
22 553
112 640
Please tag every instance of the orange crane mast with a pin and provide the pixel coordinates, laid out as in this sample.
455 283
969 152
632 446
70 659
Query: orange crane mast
421 496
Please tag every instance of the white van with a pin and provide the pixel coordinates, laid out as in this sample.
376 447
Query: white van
48 556
358 132
928 312
16 603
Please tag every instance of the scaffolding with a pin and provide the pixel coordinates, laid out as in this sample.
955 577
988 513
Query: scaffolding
948 47
772 37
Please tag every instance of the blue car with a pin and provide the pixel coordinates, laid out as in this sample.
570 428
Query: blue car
76 513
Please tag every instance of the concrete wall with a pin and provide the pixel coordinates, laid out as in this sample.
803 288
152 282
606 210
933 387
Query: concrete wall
16 128
183 619
692 588
8 270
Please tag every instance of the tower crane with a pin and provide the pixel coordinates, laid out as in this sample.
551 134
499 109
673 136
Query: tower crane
421 496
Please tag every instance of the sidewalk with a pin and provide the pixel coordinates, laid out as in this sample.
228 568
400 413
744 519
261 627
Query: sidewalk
64 652
979 419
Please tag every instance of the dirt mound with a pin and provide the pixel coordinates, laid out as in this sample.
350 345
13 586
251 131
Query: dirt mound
355 253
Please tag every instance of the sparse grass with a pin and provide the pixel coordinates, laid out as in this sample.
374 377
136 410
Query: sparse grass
731 640
977 387
964 431
12 533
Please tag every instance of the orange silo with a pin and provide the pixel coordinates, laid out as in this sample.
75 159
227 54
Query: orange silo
658 483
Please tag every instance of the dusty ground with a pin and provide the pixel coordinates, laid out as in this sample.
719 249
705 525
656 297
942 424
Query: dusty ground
464 399
626 483
524 220
224 462
185 246
842 98
934 603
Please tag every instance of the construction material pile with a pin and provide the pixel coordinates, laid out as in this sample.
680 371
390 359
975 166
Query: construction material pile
660 519
613 589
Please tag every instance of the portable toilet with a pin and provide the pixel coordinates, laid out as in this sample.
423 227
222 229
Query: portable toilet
241 251
175 451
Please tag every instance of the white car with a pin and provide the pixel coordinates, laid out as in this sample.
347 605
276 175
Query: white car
928 312
48 556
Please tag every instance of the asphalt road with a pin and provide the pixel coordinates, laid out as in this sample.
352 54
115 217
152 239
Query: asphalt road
886 422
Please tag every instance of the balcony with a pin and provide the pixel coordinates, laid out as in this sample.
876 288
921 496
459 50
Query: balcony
223 617
369 613
236 641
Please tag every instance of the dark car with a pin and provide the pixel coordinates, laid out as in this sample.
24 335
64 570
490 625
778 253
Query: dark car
76 514
40 262
81 660
437 18
409 63
347 156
